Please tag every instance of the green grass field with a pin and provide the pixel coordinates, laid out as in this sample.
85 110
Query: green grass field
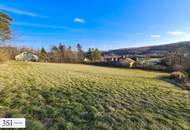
82 97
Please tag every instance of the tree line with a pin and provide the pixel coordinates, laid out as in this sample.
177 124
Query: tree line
63 54
93 55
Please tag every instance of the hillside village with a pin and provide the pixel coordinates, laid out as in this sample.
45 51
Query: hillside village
135 61
165 57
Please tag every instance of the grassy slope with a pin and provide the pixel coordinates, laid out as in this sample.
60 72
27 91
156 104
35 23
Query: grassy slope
68 96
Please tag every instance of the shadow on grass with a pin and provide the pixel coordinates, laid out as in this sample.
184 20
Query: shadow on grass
119 66
174 82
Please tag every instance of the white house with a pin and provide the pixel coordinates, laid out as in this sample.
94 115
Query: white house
26 56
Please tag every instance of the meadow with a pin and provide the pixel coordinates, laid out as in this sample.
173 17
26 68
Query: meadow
82 97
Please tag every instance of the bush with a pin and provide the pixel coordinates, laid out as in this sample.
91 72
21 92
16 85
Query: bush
177 75
182 78
3 56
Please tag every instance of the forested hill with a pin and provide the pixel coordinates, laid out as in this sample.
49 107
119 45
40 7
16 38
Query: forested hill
161 49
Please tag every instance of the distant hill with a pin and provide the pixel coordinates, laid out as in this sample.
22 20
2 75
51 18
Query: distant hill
148 50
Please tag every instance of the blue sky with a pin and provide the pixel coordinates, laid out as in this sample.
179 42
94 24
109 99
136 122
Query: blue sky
105 24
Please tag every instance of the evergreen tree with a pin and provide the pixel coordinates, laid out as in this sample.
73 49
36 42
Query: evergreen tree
80 53
43 54
68 54
97 55
90 54
61 47
54 54
61 52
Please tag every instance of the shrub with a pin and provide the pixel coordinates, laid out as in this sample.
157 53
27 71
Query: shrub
3 56
182 78
177 75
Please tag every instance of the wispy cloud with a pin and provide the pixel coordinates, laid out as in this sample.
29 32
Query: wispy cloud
136 34
155 36
40 25
21 12
36 25
79 20
175 33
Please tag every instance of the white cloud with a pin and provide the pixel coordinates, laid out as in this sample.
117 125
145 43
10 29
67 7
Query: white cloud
155 36
79 20
40 25
175 33
21 12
